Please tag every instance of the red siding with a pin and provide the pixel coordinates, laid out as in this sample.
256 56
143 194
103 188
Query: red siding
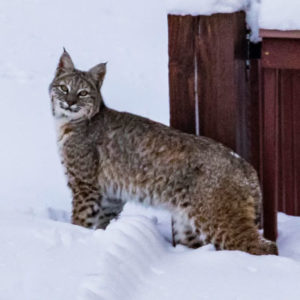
281 98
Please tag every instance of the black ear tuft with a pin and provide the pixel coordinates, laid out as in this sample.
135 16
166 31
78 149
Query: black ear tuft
98 73
65 64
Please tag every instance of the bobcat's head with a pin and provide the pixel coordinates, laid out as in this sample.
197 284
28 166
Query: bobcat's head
75 95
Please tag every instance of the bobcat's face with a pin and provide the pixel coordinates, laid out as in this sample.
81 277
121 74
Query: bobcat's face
75 95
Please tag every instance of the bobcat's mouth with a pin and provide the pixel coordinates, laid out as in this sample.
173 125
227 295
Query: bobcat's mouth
63 109
71 108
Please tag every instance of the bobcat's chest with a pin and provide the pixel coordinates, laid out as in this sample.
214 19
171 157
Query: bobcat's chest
64 139
64 132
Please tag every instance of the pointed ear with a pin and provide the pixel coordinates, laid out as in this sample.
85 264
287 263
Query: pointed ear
98 73
65 64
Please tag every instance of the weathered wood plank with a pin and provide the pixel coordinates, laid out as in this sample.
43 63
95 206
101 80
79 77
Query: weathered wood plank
296 139
182 72
279 54
270 153
221 77
252 116
286 105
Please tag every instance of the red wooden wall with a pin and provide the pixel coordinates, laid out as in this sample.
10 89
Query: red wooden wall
280 122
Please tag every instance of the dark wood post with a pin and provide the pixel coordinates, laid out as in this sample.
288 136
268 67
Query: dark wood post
182 72
221 77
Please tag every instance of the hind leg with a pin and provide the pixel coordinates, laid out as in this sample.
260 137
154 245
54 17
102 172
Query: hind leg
110 209
184 233
230 225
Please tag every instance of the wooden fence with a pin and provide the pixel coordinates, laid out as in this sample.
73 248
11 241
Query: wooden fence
218 89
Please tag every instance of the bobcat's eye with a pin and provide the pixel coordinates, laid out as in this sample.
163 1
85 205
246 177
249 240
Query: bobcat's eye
83 93
63 88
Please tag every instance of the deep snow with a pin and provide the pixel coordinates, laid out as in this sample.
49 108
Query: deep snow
134 260
42 256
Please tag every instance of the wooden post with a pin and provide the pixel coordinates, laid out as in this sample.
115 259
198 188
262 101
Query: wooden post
182 72
209 84
221 71
270 154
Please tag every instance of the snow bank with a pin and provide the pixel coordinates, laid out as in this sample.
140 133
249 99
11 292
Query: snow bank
43 259
289 236
133 245
134 260
280 14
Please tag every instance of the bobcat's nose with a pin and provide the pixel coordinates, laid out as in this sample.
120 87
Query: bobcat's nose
70 102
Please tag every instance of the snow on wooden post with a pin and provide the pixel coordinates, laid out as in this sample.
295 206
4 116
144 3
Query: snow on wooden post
212 90
280 97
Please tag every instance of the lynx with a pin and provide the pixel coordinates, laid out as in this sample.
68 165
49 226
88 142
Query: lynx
112 157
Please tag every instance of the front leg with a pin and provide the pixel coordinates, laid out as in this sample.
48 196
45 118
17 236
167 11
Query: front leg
86 204
91 209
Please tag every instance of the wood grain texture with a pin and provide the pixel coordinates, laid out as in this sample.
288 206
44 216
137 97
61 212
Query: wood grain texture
280 130
182 72
270 153
296 139
209 86
281 54
221 77
281 134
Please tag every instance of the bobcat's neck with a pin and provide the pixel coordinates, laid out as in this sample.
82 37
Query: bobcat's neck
82 129
66 129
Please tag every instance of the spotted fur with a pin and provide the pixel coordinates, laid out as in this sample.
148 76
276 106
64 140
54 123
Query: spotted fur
113 157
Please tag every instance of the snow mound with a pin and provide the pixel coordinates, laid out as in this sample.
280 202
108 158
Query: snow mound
132 260
138 264
42 259
133 244
289 236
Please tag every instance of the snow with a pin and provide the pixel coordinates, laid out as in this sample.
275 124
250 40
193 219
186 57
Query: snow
279 14
265 14
42 255
130 35
206 7
209 7
134 260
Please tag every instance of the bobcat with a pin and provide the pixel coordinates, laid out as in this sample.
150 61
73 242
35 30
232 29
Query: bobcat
112 157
